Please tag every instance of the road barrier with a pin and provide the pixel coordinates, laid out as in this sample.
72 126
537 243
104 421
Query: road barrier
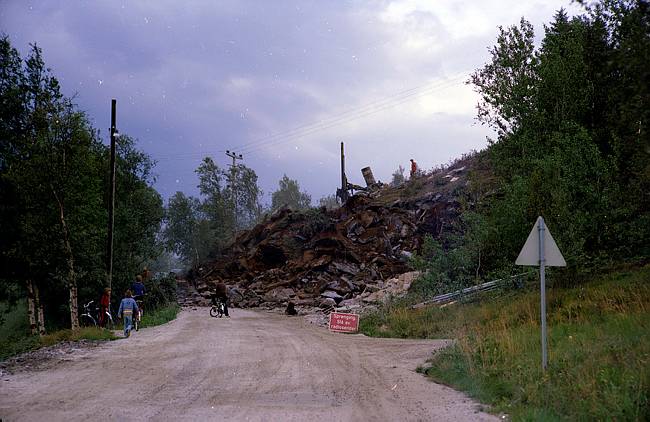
516 280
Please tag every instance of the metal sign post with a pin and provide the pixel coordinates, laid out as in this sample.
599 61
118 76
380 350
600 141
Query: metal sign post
542 284
540 249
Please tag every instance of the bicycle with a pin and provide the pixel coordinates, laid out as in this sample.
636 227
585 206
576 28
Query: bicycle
87 319
108 319
217 309
138 317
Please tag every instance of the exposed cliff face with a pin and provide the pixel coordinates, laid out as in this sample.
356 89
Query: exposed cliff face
322 258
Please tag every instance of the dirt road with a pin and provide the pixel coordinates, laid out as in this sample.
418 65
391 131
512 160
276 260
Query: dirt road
255 366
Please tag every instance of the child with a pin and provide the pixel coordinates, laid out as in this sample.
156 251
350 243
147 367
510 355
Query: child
104 305
128 308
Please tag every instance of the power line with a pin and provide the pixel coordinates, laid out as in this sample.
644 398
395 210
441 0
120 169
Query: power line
337 122
347 116
376 103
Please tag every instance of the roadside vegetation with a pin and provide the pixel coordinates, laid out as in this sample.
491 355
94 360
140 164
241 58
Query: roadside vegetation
571 145
16 337
160 316
598 340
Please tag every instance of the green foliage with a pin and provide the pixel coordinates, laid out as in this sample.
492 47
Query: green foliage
453 261
84 333
329 202
187 231
599 343
288 195
14 330
398 177
571 142
230 199
161 292
160 316
53 184
15 337
507 83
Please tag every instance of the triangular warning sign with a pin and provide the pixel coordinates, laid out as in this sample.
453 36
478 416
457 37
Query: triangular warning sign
529 254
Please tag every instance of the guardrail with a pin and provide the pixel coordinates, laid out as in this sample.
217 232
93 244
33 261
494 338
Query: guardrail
516 279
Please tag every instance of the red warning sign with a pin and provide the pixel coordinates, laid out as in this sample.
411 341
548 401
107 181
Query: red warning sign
344 323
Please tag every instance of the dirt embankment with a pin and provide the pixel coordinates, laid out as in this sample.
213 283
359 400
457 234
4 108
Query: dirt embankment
339 257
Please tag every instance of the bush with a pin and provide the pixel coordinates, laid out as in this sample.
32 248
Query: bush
161 291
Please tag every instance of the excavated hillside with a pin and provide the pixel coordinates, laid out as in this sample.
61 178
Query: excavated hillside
357 253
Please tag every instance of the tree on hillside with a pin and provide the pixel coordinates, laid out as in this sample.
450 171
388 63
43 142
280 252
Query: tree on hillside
230 198
507 83
330 202
398 177
187 232
288 195
571 145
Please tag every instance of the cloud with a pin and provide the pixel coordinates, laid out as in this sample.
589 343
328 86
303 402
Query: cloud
283 82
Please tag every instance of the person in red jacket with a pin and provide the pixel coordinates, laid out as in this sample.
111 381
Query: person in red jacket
414 168
104 304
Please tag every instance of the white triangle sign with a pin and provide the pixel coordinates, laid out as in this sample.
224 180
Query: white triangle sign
530 255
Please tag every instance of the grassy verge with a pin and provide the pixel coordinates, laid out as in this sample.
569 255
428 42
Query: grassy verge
15 338
599 349
160 315
14 330
84 333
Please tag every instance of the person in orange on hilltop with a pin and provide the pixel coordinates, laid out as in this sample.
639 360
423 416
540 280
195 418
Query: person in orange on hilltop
414 168
104 304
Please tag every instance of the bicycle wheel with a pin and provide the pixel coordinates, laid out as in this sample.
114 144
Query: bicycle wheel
87 321
216 311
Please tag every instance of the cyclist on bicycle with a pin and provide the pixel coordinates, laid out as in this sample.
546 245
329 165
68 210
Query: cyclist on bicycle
128 308
221 293
104 304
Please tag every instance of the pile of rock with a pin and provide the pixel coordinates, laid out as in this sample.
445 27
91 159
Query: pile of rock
340 258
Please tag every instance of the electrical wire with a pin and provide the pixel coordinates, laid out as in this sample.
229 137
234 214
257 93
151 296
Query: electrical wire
341 118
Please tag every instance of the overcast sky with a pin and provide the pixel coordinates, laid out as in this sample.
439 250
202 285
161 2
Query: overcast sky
282 82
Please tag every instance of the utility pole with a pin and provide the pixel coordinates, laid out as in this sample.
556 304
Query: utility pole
111 200
344 181
234 157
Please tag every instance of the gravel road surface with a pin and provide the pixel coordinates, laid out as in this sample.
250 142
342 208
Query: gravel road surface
255 366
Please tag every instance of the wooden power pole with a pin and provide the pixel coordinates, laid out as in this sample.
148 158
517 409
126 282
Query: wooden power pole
111 201
344 180
233 169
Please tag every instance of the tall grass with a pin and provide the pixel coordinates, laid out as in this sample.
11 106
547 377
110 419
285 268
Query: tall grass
160 316
15 337
14 331
84 333
598 339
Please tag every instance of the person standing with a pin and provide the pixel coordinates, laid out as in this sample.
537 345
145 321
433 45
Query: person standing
138 287
414 168
104 306
128 308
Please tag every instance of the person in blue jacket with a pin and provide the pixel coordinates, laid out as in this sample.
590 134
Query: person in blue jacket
128 308
138 287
